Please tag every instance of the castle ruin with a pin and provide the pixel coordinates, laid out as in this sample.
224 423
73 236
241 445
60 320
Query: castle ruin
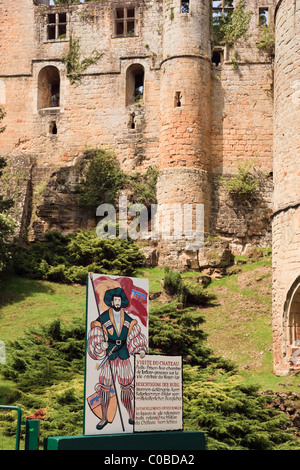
161 92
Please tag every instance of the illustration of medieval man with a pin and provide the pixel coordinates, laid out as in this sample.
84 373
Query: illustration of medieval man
115 336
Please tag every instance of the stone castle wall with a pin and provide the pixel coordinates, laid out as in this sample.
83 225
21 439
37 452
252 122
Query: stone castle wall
93 111
225 114
286 201
206 108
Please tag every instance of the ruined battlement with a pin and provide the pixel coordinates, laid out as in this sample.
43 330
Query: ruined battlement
153 82
163 84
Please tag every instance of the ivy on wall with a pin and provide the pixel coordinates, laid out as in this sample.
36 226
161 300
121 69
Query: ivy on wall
75 66
266 41
227 31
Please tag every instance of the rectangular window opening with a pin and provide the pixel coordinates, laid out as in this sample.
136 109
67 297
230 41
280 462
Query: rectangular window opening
62 17
217 57
185 6
51 18
120 28
263 16
120 12
125 22
177 100
56 26
221 13
130 13
130 27
51 32
53 128
62 31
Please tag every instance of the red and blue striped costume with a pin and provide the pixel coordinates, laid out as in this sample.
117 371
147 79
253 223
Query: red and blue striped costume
122 343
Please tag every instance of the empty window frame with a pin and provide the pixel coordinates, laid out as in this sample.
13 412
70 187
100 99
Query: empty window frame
177 99
135 84
185 6
221 11
56 26
263 16
125 22
217 56
48 88
53 128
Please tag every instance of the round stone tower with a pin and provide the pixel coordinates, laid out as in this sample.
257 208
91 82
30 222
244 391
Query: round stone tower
184 161
286 217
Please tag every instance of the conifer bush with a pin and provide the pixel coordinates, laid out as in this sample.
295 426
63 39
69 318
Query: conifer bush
174 330
68 259
45 355
233 416
187 292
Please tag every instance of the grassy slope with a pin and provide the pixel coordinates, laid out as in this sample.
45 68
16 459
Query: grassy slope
24 302
238 323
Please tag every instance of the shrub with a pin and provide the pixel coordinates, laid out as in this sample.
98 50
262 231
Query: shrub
174 330
68 259
243 183
45 355
233 416
267 39
143 187
103 178
195 294
172 282
186 292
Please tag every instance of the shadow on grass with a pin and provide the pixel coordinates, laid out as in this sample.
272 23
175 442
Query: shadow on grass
16 289
8 392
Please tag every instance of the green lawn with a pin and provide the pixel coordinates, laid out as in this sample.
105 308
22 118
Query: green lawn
238 323
24 302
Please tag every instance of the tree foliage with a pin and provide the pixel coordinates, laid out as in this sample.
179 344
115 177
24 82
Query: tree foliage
7 224
102 179
228 29
267 39
68 259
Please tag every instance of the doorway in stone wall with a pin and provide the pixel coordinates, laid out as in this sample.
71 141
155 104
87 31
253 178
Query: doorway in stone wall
292 324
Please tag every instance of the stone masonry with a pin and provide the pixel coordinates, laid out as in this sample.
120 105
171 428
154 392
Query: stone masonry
196 118
202 109
286 216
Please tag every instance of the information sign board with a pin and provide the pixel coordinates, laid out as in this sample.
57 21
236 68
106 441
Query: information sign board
158 393
116 330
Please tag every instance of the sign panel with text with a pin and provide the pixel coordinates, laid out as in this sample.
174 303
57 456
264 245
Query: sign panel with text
158 393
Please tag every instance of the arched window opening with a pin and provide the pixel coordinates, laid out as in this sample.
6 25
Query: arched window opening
49 88
135 84
291 325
